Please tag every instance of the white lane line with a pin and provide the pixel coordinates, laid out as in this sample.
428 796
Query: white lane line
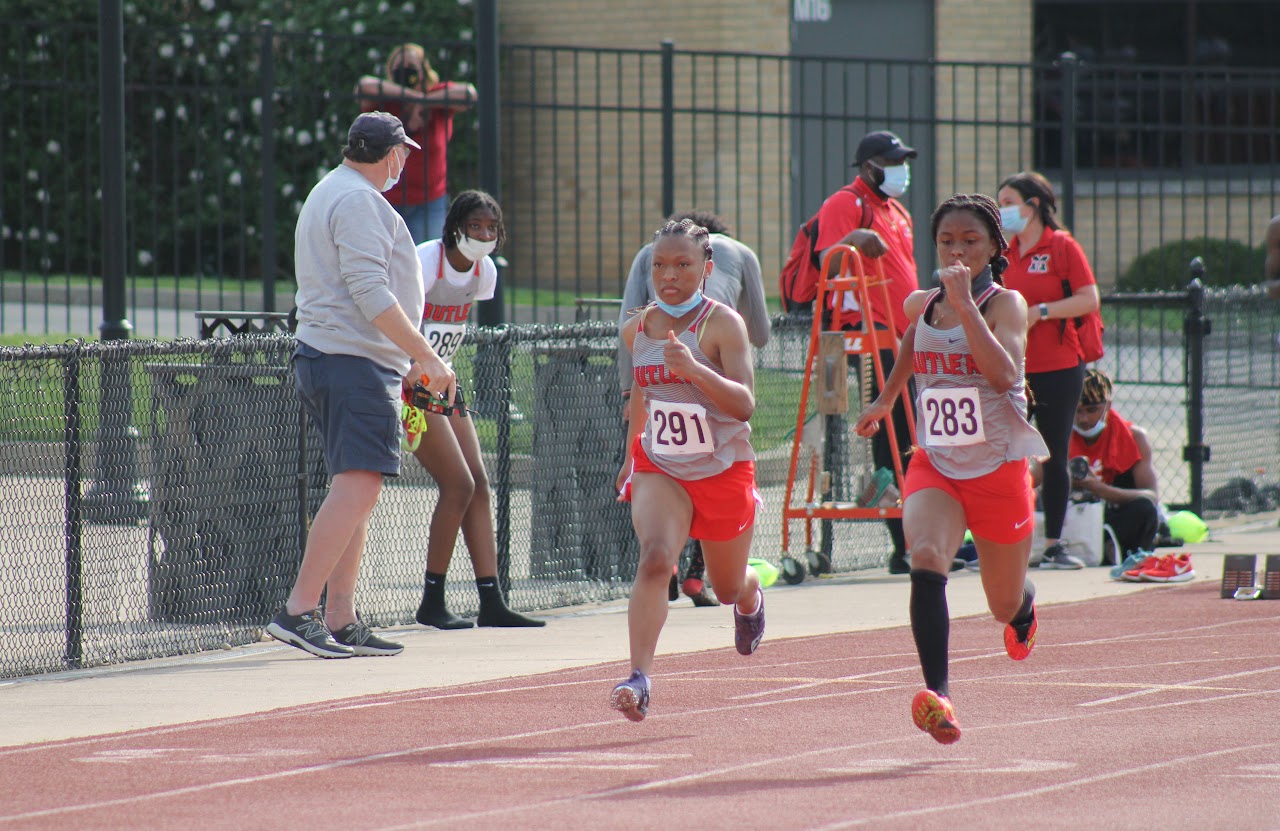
612 723
1190 684
1044 789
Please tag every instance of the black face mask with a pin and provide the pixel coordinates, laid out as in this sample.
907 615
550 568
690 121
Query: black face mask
407 75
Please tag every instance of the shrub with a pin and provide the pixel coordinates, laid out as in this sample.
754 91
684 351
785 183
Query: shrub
1226 263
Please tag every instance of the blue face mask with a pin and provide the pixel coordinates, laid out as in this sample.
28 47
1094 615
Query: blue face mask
897 178
1094 431
682 309
1011 219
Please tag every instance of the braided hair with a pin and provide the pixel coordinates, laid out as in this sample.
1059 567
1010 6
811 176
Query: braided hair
714 223
686 228
462 206
1097 388
986 210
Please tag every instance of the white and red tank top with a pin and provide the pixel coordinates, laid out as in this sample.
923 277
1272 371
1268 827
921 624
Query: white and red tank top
967 428
686 435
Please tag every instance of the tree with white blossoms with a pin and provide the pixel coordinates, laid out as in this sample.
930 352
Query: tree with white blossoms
194 126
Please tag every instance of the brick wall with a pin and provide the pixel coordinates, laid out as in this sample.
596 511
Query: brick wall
597 171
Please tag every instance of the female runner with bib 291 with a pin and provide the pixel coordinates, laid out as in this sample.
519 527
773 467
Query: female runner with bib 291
965 346
689 469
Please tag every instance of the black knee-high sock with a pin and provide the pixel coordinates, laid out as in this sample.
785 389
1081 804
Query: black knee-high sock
931 626
1021 622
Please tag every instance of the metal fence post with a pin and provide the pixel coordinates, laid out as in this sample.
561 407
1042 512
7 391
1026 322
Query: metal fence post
668 128
1196 327
72 503
116 496
1070 81
501 489
489 312
267 91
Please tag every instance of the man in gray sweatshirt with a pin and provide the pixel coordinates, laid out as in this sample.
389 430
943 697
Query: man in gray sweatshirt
359 292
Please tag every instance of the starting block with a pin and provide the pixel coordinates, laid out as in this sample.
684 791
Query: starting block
1271 578
1240 571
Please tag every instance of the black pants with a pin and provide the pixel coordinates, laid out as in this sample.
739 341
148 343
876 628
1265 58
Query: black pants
881 449
1056 395
1136 525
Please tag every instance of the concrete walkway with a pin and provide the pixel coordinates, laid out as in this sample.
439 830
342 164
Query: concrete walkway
268 675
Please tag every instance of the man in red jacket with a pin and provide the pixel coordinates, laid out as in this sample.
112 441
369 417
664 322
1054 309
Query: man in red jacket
1120 472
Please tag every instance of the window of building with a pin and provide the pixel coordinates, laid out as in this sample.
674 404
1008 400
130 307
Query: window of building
1161 85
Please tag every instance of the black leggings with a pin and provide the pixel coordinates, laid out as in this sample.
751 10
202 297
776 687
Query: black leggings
882 449
1056 395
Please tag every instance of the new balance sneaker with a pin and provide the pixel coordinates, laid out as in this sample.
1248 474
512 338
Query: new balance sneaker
1019 648
1175 568
1057 556
1134 575
1133 560
362 641
631 697
932 713
307 632
748 629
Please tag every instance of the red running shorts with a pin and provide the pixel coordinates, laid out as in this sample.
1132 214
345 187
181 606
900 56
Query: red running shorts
998 506
724 505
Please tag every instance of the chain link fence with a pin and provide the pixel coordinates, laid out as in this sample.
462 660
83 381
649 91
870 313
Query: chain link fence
156 494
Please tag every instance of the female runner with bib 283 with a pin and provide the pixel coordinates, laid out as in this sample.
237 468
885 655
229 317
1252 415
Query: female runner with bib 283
456 271
965 345
689 469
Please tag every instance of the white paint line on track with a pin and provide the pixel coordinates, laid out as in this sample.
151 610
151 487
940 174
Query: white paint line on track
210 787
1029 792
1192 684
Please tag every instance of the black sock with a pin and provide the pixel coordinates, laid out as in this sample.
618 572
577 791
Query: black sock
493 608
1021 622
433 611
931 626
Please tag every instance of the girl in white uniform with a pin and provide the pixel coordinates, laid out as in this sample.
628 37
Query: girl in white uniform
965 345
689 469
457 271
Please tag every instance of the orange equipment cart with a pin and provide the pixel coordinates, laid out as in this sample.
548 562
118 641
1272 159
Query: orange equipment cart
826 360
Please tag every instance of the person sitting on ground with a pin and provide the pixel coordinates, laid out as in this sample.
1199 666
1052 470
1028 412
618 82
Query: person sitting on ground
1120 471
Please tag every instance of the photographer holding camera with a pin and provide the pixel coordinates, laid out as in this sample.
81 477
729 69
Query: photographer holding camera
413 92
1111 460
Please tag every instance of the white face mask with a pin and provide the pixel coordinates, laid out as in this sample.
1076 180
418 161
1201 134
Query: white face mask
474 249
1094 431
897 178
392 180
1011 219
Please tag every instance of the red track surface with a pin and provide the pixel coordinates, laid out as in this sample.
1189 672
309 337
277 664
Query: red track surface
1154 710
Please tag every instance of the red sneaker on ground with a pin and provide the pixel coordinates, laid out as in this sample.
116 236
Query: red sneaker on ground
1134 575
933 714
1019 649
1174 568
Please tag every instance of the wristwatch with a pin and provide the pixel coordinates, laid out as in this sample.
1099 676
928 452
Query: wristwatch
1044 311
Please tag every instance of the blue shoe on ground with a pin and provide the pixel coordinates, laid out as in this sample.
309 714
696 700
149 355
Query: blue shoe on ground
631 697
748 630
1132 561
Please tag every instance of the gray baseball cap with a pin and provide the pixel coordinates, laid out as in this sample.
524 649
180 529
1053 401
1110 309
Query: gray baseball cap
378 131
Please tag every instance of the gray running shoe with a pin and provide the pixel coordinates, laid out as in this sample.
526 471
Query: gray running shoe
362 641
307 632
1057 556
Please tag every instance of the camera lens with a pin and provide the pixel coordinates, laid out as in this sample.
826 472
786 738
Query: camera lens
1079 467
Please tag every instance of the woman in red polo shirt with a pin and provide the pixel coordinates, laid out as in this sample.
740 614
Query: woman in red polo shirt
1042 256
